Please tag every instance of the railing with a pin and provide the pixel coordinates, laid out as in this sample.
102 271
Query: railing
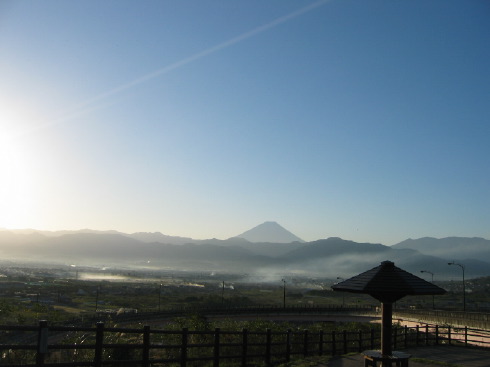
455 318
46 345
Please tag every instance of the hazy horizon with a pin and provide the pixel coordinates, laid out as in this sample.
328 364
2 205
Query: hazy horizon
222 239
202 119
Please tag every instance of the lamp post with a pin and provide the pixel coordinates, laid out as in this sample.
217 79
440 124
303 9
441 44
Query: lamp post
343 295
284 293
432 281
464 290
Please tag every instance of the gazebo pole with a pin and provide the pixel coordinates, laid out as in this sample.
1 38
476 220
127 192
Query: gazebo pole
386 327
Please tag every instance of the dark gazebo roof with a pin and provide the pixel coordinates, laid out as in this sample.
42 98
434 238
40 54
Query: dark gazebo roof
388 283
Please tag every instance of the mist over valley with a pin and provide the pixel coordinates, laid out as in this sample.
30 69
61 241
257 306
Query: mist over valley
246 253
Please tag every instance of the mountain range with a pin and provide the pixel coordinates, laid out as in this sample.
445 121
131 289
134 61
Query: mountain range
332 257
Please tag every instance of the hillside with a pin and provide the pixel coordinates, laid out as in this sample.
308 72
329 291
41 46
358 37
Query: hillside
450 248
332 257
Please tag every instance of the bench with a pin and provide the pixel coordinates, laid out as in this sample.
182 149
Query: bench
372 357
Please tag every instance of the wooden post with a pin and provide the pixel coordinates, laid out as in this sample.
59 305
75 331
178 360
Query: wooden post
216 347
395 337
42 342
360 341
183 350
320 343
244 347
417 335
99 343
334 346
405 336
146 346
305 344
437 334
288 345
345 341
466 336
386 320
449 334
268 347
427 334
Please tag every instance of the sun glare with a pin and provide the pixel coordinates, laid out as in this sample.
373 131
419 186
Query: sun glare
15 181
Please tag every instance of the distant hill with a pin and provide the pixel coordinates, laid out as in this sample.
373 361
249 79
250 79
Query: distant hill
332 257
450 248
270 232
343 258
159 237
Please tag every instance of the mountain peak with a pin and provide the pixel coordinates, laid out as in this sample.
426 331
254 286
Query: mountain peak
269 232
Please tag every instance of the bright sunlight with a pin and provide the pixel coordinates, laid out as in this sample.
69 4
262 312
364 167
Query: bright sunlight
16 180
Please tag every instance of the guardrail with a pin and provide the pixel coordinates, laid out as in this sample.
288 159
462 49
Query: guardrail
112 346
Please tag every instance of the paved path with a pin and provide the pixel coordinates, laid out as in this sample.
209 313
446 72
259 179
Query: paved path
459 356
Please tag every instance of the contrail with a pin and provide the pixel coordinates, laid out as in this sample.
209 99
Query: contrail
91 104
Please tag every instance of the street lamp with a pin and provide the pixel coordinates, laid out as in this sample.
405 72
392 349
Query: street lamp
343 295
464 291
284 293
432 280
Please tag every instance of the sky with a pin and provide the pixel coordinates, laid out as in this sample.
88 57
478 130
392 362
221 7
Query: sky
365 120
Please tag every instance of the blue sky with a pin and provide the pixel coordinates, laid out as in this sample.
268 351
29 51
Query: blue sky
363 120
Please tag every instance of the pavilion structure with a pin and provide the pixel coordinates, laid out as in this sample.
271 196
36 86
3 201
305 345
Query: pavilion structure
387 283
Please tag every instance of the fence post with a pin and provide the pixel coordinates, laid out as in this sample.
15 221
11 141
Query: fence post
320 343
183 351
405 336
360 341
305 344
466 336
437 334
427 334
42 342
244 347
345 341
216 347
395 337
449 334
288 345
334 343
99 341
417 335
146 346
268 347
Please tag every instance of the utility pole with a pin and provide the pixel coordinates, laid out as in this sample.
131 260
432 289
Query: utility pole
159 296
343 295
97 298
284 293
